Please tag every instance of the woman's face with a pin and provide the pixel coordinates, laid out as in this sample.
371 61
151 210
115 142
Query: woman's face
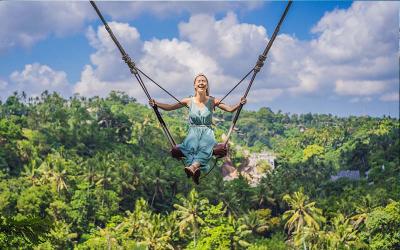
200 84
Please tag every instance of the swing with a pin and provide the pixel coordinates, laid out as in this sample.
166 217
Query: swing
220 150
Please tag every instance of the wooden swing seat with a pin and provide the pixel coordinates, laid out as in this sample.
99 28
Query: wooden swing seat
219 151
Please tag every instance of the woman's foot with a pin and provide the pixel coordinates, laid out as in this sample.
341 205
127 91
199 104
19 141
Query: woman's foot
194 172
188 172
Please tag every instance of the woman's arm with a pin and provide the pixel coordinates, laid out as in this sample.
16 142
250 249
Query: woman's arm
228 108
169 107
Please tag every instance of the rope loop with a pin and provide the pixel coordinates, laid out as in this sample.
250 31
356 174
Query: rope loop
130 64
260 63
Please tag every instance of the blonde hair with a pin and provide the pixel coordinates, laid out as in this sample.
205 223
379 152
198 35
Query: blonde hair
208 84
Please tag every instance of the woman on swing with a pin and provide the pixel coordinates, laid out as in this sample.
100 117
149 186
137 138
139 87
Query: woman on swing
198 144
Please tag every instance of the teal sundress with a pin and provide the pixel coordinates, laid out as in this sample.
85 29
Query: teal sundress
199 143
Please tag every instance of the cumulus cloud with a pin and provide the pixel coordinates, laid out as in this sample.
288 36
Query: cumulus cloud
340 59
25 23
365 30
226 40
175 63
107 71
172 62
164 9
359 88
35 78
37 20
354 52
353 48
91 85
107 58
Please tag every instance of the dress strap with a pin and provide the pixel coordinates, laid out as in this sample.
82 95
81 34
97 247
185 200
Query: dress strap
191 102
211 101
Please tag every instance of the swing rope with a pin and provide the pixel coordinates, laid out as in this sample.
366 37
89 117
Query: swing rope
136 72
158 85
257 68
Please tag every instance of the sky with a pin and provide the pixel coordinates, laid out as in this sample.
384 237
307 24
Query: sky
339 58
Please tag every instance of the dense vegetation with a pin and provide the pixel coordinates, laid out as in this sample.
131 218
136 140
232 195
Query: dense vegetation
96 174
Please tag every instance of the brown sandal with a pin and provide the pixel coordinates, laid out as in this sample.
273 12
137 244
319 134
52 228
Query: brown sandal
196 176
194 172
188 172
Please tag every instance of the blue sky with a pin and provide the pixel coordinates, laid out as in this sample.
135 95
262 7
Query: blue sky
330 57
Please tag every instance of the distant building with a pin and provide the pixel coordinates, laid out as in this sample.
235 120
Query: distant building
349 174
248 169
266 156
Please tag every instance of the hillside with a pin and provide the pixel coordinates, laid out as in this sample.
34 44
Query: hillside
95 173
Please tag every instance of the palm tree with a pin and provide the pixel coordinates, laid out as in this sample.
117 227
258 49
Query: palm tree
156 179
343 234
155 235
60 180
254 222
109 235
240 232
310 238
53 170
302 213
136 220
363 209
264 194
190 213
31 171
31 229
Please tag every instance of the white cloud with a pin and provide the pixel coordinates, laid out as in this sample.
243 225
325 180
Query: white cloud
354 52
164 9
360 99
264 95
354 47
37 20
225 40
338 61
171 62
3 85
365 30
175 63
390 97
35 78
359 88
25 23
107 59
91 85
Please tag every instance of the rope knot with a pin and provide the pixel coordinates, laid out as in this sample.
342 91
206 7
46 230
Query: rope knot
260 63
131 65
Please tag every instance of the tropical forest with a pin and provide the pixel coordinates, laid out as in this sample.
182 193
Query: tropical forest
96 173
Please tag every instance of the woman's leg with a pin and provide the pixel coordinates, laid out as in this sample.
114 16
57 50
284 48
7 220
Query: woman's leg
205 150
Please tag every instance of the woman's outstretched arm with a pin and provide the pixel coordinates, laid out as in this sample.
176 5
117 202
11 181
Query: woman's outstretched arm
228 108
169 107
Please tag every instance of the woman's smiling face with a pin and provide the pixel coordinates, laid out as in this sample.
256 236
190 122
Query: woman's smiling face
201 84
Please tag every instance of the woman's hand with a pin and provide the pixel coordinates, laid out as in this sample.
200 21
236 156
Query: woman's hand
243 100
152 103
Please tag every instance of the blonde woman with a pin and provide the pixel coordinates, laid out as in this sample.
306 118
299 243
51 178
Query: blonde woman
198 144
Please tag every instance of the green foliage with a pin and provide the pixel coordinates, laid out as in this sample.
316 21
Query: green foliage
276 242
383 227
302 213
22 232
95 173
